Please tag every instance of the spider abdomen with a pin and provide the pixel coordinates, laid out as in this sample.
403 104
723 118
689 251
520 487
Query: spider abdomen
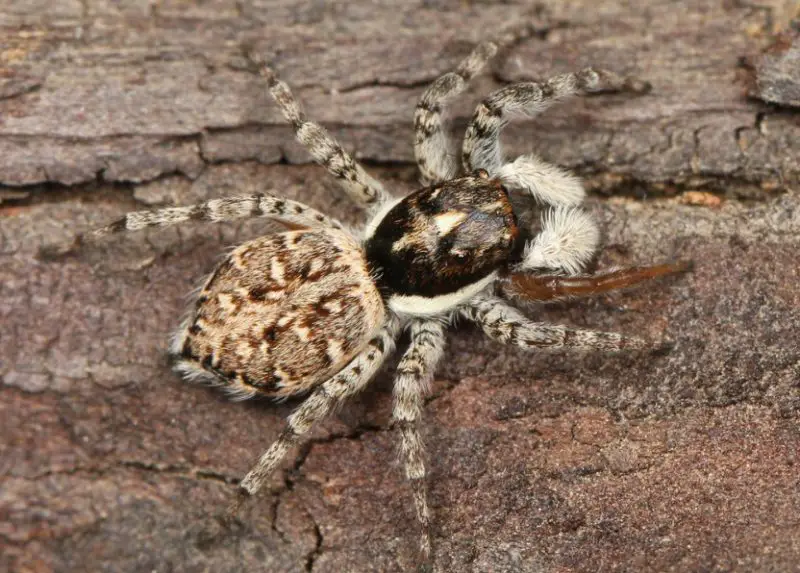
281 314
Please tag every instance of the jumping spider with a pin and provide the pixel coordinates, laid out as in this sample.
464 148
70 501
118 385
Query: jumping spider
317 309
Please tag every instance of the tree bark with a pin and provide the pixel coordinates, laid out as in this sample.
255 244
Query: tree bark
537 461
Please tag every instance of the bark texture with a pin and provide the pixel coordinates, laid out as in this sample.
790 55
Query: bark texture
686 461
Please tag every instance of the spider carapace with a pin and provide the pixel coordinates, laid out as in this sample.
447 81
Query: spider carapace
442 240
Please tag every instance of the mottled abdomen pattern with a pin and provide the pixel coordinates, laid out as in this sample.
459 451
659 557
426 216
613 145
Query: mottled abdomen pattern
281 314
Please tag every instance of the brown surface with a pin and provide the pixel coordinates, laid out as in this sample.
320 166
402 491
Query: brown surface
538 462
777 71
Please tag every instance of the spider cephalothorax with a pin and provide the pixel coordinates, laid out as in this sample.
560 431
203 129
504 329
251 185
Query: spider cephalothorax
318 309
442 243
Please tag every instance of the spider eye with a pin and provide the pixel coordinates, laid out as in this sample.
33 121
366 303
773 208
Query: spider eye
459 255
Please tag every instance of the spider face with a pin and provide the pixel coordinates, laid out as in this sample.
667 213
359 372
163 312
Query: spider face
441 240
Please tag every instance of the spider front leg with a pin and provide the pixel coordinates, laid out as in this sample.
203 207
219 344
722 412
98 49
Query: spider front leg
481 148
414 373
348 382
506 324
433 149
325 150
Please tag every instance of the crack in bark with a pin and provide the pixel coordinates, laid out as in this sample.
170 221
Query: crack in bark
154 467
716 180
305 449
292 475
377 83
317 551
602 184
20 88
178 470
739 188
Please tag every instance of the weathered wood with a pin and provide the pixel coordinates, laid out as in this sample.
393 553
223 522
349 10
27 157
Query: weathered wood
129 93
778 71
539 461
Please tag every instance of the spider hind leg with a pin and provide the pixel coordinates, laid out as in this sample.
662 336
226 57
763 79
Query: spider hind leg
414 373
506 324
334 391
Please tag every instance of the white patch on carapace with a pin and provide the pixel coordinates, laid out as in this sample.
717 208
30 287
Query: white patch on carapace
491 207
403 242
415 305
568 239
448 221
373 223
421 242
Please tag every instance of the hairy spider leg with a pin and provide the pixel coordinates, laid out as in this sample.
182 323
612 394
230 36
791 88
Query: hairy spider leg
291 213
506 324
345 384
433 149
359 185
412 384
481 148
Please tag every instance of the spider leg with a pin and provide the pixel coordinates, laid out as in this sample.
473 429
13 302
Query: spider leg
325 150
291 213
481 148
536 287
544 181
348 382
433 150
568 239
506 324
414 373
